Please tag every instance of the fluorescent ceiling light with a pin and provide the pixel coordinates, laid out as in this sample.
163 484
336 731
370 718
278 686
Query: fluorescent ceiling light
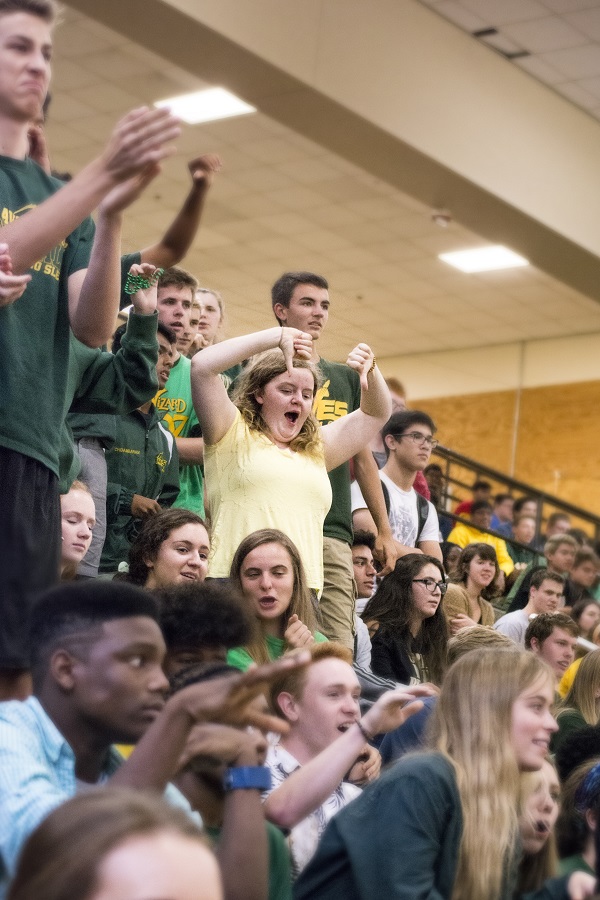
484 259
206 106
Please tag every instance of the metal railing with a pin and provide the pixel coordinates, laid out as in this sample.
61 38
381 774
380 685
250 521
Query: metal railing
460 473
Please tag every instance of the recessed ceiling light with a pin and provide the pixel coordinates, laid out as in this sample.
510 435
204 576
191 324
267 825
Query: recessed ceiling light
206 106
484 259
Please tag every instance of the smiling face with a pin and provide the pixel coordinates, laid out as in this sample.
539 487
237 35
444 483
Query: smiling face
286 402
558 650
425 604
267 580
481 572
308 310
181 558
533 725
78 517
118 684
540 811
25 53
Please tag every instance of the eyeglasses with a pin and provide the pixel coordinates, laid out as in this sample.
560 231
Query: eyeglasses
417 438
431 585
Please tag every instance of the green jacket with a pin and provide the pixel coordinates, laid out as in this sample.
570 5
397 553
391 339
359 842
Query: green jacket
101 385
142 461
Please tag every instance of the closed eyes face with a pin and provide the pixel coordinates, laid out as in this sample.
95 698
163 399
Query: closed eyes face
181 558
78 518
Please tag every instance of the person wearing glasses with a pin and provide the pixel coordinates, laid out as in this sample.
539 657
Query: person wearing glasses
407 626
409 442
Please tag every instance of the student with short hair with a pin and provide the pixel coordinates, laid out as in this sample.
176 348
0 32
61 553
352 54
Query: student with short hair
553 637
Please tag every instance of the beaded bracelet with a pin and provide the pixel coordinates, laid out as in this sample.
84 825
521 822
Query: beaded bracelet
373 364
137 283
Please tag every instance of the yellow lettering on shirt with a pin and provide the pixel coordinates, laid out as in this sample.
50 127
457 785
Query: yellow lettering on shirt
51 263
327 410
161 462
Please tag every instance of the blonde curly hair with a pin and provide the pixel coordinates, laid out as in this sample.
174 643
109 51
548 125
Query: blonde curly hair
263 369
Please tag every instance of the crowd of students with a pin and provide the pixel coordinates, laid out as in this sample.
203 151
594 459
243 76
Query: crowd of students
237 659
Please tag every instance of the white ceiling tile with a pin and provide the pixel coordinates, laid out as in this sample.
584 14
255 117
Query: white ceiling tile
577 62
460 15
506 11
573 90
539 69
542 35
567 6
587 21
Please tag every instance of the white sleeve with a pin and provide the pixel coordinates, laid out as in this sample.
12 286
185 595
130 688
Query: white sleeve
363 645
431 528
356 498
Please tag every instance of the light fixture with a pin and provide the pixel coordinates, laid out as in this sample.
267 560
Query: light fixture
484 259
206 105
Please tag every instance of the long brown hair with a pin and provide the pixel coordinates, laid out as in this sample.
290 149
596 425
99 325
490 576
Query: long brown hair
300 604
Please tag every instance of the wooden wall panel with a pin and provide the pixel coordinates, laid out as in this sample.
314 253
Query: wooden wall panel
558 439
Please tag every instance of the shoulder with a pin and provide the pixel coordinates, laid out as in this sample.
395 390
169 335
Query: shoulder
422 775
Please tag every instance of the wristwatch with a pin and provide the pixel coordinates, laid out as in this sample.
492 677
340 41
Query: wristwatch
247 778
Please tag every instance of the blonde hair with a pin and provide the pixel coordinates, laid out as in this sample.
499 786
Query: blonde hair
264 368
581 694
472 727
70 570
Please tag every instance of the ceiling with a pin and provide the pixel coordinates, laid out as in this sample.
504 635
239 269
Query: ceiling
283 202
556 41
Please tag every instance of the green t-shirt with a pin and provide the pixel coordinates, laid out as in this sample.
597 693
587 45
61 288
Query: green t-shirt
571 864
338 396
280 871
175 403
276 647
34 331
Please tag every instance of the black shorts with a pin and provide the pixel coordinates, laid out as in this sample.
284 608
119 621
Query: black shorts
29 548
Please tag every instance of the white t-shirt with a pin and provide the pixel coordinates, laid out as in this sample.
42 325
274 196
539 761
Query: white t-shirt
403 514
513 625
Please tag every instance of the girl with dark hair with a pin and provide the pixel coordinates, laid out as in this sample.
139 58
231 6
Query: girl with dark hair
466 600
266 456
268 572
171 548
408 629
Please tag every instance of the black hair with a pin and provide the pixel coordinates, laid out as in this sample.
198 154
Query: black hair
480 504
392 608
166 332
203 616
576 749
500 498
284 287
77 607
364 539
406 418
481 485
198 672
520 503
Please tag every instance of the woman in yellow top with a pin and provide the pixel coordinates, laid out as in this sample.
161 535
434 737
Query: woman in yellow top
465 601
266 457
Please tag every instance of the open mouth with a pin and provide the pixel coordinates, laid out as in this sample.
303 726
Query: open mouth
292 417
542 827
191 576
345 726
267 602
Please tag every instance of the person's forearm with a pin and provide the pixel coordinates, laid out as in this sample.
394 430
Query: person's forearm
376 400
369 482
219 357
190 450
243 850
94 313
33 235
178 238
310 785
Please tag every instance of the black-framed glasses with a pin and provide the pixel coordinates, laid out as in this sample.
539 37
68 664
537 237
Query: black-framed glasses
431 585
417 438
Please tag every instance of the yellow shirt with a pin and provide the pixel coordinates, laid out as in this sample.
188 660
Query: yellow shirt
463 535
253 484
566 682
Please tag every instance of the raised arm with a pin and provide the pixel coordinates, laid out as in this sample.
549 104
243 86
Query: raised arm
178 238
349 434
213 407
140 139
